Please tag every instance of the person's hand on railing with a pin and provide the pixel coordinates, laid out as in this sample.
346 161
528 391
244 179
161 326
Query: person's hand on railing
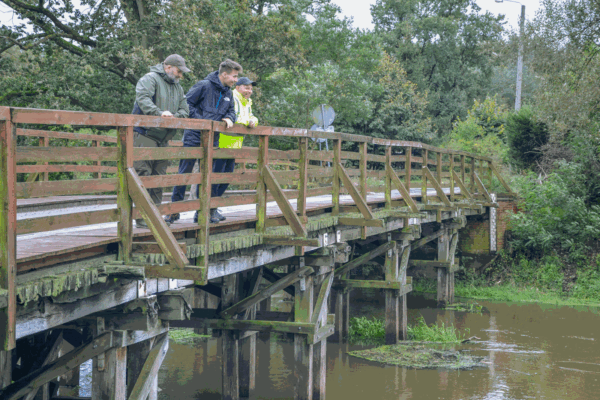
166 114
228 122
251 124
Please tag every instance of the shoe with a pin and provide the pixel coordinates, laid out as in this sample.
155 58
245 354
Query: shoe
140 223
171 218
219 215
213 217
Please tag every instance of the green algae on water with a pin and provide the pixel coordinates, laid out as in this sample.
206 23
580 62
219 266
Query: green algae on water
420 356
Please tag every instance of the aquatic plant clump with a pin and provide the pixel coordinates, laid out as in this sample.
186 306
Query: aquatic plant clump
420 356
372 331
185 335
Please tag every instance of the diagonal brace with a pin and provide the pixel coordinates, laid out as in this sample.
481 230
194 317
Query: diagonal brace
402 189
145 380
482 188
463 188
266 292
282 201
321 303
358 199
364 258
163 235
438 187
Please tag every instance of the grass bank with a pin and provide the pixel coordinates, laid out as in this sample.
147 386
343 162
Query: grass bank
548 280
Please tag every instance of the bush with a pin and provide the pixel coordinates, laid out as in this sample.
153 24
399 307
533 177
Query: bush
525 137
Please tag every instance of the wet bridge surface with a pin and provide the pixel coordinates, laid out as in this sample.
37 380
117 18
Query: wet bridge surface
75 272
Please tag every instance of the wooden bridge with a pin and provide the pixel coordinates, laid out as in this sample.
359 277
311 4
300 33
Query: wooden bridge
79 282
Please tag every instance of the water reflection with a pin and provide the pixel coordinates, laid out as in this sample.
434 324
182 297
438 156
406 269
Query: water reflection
534 352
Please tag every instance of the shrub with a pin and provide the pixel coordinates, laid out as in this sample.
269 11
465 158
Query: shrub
525 137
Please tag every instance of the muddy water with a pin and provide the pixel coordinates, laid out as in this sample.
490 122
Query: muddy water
534 352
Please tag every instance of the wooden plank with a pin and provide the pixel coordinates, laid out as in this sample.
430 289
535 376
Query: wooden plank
202 238
261 186
266 292
290 241
403 190
8 229
358 199
349 266
65 135
156 181
61 154
124 202
284 205
501 179
388 180
243 153
62 221
166 153
463 188
320 309
149 371
482 188
189 272
379 223
156 223
59 367
65 188
335 194
438 188
429 263
32 169
152 247
366 284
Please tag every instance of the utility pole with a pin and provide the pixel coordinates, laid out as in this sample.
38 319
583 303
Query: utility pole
520 60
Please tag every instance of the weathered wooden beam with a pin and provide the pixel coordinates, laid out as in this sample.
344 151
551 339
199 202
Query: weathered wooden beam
246 325
57 368
189 272
402 189
371 284
145 380
266 292
320 308
56 340
482 188
463 188
152 247
364 258
125 271
379 223
205 165
8 228
124 202
429 263
261 187
272 277
156 223
437 186
290 241
282 201
360 202
426 239
175 304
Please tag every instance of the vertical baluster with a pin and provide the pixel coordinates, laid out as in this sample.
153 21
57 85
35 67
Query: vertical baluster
261 188
8 228
489 173
337 158
462 169
473 185
124 202
425 156
204 191
363 179
303 178
98 175
408 167
45 141
451 176
388 181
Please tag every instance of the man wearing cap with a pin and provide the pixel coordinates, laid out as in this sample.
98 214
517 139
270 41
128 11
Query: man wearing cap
158 93
212 99
243 105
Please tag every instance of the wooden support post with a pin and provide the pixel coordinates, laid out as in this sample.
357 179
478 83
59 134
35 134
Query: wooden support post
303 352
363 179
136 357
341 309
204 192
473 184
320 370
261 188
336 184
462 168
247 365
408 167
392 314
442 273
5 368
388 179
230 342
425 155
302 178
109 374
452 177
124 202
439 168
403 307
8 228
452 269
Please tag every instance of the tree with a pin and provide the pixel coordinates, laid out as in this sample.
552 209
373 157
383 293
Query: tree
444 45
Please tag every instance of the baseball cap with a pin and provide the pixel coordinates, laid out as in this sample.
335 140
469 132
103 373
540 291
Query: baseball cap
177 61
245 81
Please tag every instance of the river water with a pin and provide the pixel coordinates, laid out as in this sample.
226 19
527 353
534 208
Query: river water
534 352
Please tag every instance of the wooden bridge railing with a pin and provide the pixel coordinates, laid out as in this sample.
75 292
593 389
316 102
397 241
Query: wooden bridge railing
356 166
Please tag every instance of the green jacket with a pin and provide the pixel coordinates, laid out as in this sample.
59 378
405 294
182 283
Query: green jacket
155 92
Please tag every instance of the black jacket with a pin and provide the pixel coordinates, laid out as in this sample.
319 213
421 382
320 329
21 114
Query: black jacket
208 99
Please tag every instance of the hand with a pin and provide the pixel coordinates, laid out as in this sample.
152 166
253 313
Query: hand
166 114
228 122
251 124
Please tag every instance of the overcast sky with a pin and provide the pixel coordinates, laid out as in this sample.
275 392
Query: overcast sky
361 12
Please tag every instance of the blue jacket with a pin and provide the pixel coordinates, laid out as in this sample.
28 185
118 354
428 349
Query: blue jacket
208 99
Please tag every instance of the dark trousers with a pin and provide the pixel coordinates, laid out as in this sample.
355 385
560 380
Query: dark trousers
220 165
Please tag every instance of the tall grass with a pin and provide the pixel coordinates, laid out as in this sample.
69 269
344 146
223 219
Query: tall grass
372 331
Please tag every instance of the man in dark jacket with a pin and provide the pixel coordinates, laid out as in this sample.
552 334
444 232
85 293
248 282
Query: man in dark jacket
212 99
158 93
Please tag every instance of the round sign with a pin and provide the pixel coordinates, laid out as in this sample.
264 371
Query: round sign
323 115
